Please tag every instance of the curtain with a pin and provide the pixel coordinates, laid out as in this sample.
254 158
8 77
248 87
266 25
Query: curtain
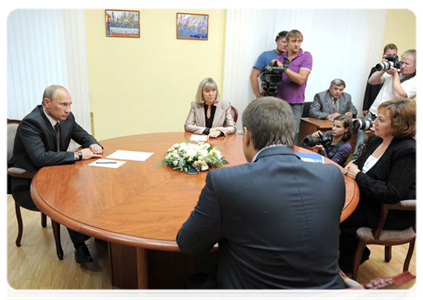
344 44
47 47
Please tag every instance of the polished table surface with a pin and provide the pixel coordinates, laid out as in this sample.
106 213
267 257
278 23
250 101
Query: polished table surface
140 204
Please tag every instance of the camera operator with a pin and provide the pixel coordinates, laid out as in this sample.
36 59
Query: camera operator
294 79
334 144
402 84
372 90
265 58
333 102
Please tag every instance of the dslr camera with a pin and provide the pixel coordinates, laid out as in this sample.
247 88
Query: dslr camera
362 124
392 61
320 140
271 77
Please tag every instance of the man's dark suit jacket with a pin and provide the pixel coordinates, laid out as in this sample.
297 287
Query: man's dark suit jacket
35 147
322 105
276 221
371 91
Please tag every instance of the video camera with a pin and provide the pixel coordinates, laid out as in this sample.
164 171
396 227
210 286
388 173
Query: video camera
320 140
392 61
362 124
271 77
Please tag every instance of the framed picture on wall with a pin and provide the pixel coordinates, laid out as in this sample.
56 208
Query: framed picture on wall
192 26
122 23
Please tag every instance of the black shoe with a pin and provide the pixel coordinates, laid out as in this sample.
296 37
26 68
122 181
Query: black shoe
82 254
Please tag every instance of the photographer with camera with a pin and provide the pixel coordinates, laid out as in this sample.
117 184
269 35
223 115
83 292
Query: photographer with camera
265 59
294 79
334 144
372 90
398 79
333 102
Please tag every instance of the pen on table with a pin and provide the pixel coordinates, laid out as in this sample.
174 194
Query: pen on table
105 162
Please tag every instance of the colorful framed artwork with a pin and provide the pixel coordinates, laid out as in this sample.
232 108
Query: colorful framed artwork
192 26
122 23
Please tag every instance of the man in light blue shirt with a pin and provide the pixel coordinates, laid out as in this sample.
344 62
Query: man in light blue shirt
265 58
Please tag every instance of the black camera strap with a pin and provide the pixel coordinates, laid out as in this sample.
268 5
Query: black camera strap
408 77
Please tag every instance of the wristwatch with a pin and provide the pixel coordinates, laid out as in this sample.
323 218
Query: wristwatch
79 153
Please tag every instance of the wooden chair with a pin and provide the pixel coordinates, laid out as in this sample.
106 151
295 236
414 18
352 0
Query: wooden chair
385 237
234 113
12 126
384 288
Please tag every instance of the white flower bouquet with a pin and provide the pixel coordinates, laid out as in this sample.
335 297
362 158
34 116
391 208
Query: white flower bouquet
193 157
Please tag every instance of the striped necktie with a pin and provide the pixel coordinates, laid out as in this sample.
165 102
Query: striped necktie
335 105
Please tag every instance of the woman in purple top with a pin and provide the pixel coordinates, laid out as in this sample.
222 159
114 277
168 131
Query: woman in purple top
336 145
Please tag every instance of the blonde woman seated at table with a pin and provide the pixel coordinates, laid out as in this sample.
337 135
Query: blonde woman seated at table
209 114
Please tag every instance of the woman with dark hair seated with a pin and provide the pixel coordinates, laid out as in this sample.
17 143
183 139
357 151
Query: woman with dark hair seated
337 148
208 114
385 173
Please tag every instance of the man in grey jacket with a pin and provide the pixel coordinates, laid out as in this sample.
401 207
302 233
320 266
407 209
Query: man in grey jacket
333 102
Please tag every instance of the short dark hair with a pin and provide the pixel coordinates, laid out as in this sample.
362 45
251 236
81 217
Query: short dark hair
347 123
281 34
402 112
270 121
391 47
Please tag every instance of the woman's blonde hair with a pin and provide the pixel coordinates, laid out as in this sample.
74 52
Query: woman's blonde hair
206 83
402 112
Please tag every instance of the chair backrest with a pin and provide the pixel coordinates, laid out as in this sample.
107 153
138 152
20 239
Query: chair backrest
384 288
12 127
306 109
234 112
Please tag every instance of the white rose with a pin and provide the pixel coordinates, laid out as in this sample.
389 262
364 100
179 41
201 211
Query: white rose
200 158
203 152
175 155
175 163
191 152
204 167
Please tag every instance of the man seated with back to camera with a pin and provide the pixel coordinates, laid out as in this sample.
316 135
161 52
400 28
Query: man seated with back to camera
268 238
265 58
399 81
333 102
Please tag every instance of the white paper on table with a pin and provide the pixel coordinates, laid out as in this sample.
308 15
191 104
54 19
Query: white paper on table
199 138
107 163
130 155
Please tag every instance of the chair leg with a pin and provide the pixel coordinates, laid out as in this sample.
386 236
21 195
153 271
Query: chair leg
20 225
43 220
56 232
388 253
357 259
409 255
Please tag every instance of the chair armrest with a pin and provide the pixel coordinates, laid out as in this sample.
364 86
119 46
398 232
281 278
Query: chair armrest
20 173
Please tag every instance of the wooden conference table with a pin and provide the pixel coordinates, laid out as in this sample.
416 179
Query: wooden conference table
139 207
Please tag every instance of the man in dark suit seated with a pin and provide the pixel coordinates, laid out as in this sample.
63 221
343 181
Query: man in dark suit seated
42 139
333 102
275 219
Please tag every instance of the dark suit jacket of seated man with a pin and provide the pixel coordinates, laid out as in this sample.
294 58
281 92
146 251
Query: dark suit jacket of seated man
275 219
322 105
36 146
